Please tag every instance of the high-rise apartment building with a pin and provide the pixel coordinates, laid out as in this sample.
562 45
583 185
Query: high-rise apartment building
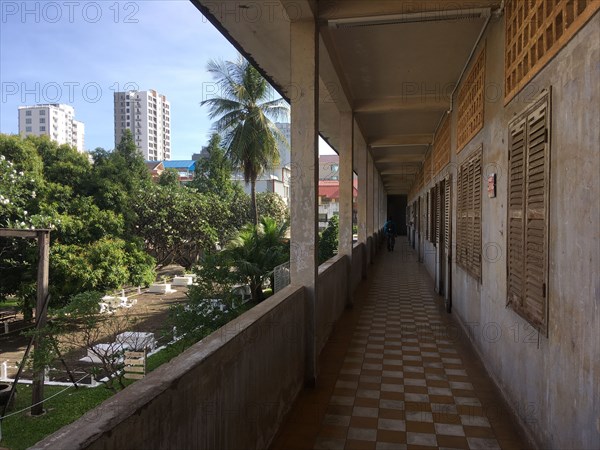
148 115
53 120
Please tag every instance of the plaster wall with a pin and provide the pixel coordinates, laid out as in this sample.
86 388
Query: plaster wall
553 382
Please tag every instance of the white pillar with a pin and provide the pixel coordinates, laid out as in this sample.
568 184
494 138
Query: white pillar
346 193
304 153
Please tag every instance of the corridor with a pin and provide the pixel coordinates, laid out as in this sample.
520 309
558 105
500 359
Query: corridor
398 373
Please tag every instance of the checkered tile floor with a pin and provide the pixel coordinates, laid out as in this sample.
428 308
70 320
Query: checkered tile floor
404 379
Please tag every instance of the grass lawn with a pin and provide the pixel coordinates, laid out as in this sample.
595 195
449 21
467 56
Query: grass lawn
22 430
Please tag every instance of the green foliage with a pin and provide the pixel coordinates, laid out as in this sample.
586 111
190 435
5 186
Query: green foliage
105 264
243 113
172 222
272 205
249 258
328 242
213 174
169 177
46 185
117 176
21 181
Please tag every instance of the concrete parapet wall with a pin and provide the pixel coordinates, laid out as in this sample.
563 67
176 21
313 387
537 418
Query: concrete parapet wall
332 296
358 255
229 391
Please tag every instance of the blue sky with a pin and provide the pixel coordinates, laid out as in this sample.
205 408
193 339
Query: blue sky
79 53
167 50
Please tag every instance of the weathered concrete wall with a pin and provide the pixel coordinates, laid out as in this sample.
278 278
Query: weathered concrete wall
358 255
332 293
552 383
429 258
229 391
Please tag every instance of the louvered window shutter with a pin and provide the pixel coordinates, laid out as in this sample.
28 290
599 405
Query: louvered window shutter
459 219
516 205
438 212
476 236
527 268
468 235
425 214
447 203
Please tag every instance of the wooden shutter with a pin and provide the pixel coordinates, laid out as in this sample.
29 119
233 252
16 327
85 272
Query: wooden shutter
447 213
432 216
427 216
468 239
476 187
536 232
438 212
459 218
527 263
516 205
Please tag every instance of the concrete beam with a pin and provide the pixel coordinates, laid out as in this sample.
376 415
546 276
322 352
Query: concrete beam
408 160
304 154
401 104
368 10
300 10
401 140
337 92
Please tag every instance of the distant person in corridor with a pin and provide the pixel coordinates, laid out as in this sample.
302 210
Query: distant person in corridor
390 232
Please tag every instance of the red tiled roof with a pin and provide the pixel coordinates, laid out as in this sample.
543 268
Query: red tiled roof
331 189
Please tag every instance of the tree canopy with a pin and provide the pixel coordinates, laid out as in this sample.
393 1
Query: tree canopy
243 113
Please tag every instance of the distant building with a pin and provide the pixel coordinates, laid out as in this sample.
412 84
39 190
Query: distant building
329 201
148 115
156 168
185 169
329 189
329 167
57 121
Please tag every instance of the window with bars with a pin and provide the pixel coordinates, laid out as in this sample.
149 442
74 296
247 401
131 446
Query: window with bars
528 188
468 214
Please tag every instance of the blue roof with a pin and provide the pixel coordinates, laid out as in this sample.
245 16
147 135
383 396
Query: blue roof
180 164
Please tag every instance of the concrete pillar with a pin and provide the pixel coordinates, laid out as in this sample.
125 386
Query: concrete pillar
363 184
383 213
304 153
376 203
346 192
370 195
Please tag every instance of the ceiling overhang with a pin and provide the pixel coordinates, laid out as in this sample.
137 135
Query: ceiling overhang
394 64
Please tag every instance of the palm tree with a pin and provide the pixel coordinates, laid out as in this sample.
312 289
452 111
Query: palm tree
244 111
256 251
